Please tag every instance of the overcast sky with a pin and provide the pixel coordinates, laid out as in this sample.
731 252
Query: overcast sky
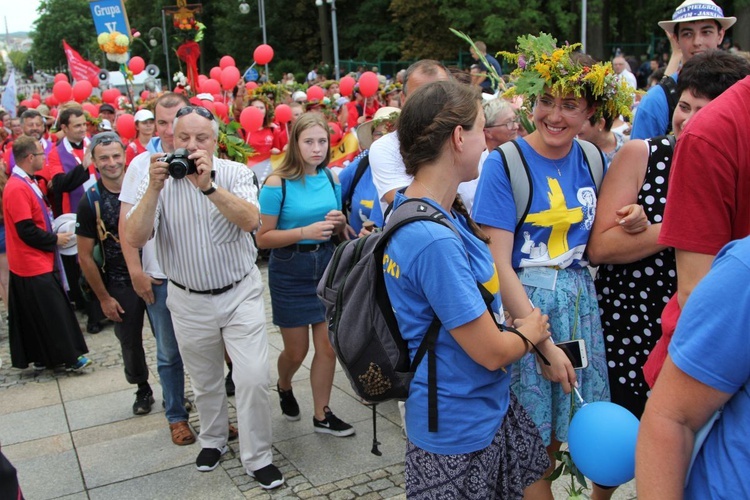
20 14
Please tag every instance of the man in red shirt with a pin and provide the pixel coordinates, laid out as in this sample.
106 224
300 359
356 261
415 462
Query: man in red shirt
43 326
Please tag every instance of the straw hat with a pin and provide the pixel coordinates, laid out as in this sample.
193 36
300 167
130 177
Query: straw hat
364 131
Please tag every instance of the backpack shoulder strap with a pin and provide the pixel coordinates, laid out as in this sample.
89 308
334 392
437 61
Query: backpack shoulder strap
330 178
517 171
364 163
669 86
595 161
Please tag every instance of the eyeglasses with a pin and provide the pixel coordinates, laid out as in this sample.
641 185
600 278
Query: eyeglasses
199 110
37 154
567 109
510 125
105 139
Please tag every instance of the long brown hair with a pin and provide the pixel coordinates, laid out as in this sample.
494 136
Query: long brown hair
428 120
293 166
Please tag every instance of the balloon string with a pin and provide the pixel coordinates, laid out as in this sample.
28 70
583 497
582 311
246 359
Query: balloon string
578 394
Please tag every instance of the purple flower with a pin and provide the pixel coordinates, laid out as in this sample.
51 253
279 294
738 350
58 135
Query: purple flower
521 62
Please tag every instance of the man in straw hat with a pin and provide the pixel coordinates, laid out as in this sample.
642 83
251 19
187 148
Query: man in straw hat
696 26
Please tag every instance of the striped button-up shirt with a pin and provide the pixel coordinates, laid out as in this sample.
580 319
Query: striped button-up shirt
195 244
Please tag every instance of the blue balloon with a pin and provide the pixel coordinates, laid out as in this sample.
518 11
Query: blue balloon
601 440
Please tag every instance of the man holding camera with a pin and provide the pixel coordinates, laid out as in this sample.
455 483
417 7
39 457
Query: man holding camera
202 224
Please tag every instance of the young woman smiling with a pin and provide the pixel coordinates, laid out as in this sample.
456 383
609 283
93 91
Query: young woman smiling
541 255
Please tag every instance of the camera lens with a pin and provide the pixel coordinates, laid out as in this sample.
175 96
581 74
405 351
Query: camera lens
178 168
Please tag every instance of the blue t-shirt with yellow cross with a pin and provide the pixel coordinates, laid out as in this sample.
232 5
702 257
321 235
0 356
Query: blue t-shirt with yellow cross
430 272
563 205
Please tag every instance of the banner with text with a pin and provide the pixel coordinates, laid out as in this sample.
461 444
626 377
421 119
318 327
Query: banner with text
80 68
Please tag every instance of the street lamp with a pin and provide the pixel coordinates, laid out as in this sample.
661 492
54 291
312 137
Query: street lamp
332 3
244 7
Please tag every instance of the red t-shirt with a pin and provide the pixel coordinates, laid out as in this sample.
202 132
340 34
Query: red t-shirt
708 203
263 140
134 149
21 203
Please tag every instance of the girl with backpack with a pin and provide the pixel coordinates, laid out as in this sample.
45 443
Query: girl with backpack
540 250
300 212
485 445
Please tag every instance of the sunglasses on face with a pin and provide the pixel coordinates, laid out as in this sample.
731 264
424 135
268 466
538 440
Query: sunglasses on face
199 110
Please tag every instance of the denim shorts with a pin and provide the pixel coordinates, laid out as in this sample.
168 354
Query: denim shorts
293 278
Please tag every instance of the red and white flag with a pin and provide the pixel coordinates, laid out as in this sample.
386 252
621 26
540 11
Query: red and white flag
80 68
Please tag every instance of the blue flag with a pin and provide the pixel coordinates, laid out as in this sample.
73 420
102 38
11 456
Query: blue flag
9 96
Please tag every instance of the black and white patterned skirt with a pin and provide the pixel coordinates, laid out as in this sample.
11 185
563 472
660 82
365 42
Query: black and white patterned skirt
515 459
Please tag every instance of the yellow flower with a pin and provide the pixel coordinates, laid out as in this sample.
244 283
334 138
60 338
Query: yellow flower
102 38
557 55
543 70
122 40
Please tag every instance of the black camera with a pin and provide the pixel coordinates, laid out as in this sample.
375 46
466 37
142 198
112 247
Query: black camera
179 163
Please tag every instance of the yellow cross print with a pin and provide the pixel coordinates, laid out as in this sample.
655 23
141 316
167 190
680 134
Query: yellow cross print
559 217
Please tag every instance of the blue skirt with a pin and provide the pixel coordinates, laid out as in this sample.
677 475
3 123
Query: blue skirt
292 279
546 403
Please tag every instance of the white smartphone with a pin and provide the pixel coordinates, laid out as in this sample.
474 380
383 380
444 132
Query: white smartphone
576 352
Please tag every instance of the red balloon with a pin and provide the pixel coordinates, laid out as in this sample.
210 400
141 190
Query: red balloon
51 101
136 65
315 93
283 113
229 77
202 78
215 73
217 98
34 102
346 85
208 105
226 62
62 91
110 95
368 84
53 112
94 79
25 103
221 109
91 109
336 133
251 85
126 126
251 119
210 86
61 77
263 54
144 95
82 90
36 96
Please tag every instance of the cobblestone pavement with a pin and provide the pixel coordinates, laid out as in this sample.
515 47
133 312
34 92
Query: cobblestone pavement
303 459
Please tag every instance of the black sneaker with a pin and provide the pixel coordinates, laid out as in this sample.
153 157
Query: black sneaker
269 477
289 406
143 401
332 425
229 384
208 458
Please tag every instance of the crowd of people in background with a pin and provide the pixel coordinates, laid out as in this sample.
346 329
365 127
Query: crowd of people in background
639 167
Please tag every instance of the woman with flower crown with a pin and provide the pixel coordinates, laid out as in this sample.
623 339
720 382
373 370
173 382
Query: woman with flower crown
541 254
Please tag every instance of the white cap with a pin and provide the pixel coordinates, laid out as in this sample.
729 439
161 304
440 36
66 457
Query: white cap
143 114
299 96
205 97
105 125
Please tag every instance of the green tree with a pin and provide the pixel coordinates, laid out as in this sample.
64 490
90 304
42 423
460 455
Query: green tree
58 20
19 60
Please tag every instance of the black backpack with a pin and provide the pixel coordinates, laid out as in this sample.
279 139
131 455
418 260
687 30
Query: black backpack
361 324
669 86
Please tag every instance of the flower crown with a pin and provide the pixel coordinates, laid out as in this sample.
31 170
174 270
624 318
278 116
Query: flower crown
542 66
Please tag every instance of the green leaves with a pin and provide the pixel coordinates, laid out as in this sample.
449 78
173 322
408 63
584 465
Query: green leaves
568 467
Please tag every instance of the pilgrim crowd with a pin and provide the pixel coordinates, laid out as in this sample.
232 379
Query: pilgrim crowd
584 203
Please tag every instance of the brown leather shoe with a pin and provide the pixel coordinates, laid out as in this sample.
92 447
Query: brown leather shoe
181 433
233 433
